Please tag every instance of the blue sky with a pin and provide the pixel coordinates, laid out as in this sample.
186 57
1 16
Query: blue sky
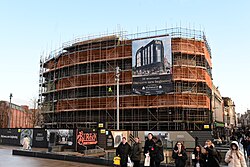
29 28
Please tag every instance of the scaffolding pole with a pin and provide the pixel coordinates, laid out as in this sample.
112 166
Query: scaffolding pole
117 96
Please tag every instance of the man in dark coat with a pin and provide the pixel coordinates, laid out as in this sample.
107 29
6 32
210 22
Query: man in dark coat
123 150
136 152
248 148
149 143
245 144
212 157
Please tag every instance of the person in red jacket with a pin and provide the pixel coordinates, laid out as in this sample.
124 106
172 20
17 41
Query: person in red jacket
156 152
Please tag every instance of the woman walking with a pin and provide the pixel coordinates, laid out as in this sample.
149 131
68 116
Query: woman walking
198 158
180 155
234 157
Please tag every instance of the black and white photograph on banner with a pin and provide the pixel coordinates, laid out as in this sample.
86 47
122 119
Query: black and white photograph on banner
62 136
151 66
163 135
118 135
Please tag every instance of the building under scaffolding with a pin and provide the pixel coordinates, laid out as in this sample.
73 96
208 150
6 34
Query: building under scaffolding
78 86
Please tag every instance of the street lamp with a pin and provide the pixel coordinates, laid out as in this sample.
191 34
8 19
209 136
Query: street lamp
10 111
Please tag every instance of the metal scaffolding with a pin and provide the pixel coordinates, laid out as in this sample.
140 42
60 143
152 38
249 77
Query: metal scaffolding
78 87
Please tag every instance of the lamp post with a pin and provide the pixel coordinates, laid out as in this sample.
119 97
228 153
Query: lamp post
10 111
117 95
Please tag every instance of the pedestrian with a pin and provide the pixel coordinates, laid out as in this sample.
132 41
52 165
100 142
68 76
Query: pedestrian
245 144
136 152
149 143
198 158
211 154
234 157
156 152
123 150
180 155
26 143
248 149
233 138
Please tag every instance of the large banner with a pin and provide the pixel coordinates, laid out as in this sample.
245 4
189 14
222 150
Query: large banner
152 66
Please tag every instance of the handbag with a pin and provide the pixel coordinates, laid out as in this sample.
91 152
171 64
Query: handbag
147 160
197 164
117 160
130 163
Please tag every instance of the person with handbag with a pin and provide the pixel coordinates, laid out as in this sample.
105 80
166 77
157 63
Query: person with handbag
198 158
123 151
149 143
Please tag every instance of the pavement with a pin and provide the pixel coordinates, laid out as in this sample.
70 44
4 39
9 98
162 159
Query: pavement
7 159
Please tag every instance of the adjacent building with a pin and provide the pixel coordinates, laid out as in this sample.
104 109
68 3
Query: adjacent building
244 120
14 116
229 115
218 112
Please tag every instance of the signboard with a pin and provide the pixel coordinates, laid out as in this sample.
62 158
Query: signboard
206 126
110 140
103 131
100 125
85 139
40 138
9 136
218 124
152 66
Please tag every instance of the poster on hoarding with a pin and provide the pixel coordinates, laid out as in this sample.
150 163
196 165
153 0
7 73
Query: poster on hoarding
152 66
26 132
163 135
85 139
62 136
40 138
9 136
117 137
